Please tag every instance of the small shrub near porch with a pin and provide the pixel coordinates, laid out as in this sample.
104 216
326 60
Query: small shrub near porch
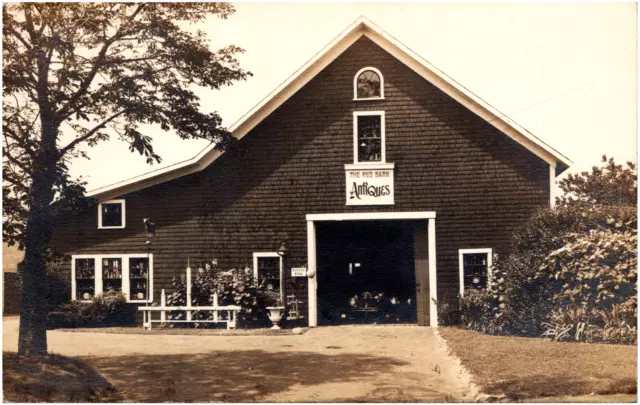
233 287
107 309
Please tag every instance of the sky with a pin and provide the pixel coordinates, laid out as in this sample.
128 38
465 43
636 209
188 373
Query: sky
567 72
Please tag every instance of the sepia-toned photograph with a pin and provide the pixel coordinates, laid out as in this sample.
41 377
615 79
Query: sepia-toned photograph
300 202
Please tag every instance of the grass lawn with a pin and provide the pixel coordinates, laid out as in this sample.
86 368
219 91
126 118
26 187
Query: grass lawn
52 378
532 367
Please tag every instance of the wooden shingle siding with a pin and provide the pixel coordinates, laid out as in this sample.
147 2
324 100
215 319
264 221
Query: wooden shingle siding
480 183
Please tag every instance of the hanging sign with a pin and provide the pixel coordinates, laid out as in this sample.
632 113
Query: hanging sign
298 272
369 186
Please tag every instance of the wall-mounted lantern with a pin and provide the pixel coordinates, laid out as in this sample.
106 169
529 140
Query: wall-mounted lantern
283 250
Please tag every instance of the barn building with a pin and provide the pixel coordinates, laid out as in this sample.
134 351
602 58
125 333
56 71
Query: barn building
383 176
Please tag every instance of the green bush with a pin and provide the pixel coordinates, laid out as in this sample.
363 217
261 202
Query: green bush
234 287
598 269
448 315
107 309
563 293
485 309
59 284
528 294
572 270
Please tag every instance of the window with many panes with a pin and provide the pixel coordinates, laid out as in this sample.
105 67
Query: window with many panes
475 268
369 137
111 214
112 274
131 274
267 269
368 84
85 279
138 278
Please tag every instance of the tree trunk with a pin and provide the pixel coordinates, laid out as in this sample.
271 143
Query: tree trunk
32 338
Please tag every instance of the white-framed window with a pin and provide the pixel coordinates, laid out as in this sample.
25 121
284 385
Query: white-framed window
268 271
475 268
132 274
368 84
369 137
112 214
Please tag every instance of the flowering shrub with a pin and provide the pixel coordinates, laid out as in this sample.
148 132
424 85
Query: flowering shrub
270 298
234 287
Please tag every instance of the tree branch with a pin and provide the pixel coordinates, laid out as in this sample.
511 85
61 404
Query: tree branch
89 134
84 86
16 162
19 37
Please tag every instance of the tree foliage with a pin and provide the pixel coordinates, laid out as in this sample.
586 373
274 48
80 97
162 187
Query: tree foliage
78 74
94 71
608 184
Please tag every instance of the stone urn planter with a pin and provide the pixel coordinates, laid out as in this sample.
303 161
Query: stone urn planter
275 315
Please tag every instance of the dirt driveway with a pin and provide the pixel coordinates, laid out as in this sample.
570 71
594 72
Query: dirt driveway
329 364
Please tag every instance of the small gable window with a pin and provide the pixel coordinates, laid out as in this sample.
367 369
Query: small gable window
368 84
111 214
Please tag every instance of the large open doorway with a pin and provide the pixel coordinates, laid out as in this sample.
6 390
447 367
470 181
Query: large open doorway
366 272
424 258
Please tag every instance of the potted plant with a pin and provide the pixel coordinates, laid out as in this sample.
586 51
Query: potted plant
274 305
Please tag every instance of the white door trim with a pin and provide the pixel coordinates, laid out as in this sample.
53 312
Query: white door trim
360 216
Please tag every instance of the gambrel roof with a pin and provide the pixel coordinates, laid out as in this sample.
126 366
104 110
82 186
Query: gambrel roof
361 27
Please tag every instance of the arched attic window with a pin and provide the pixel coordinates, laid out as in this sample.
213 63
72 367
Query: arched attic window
368 84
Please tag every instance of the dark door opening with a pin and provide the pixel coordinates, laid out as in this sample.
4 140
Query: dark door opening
366 272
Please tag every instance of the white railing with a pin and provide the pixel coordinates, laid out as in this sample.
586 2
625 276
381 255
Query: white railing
216 310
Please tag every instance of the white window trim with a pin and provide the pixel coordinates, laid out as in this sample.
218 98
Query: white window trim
256 255
462 252
124 214
98 287
383 147
355 84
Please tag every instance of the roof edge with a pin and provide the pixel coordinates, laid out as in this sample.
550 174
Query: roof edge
361 27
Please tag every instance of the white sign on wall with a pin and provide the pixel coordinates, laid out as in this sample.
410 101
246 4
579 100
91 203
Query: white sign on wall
298 272
372 186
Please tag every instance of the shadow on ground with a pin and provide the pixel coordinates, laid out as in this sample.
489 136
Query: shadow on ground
53 378
232 376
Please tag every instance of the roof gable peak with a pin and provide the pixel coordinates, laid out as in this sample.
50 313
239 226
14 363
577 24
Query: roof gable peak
362 26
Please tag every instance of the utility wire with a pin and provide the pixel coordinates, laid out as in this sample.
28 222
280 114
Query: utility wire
552 98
